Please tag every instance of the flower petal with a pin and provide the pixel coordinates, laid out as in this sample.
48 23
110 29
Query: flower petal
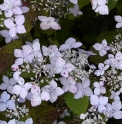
2 107
13 32
21 29
17 11
10 104
5 96
16 89
20 19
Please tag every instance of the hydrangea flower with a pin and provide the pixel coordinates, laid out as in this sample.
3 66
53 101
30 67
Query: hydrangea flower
115 95
114 110
102 69
28 53
99 102
8 84
50 51
74 1
99 6
75 10
53 90
36 49
70 43
16 27
58 65
118 19
102 48
83 89
115 62
5 102
21 88
99 88
68 84
8 38
11 7
48 22
38 96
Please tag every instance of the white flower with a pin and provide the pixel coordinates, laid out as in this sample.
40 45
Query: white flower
50 51
102 69
115 95
103 10
21 88
8 84
53 90
11 7
102 48
68 84
8 38
115 62
114 110
99 102
118 19
75 11
83 89
70 43
37 96
5 102
48 22
74 1
99 88
16 27
36 48
99 6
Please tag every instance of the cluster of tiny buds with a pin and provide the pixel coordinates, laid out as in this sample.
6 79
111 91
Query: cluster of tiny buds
17 112
116 44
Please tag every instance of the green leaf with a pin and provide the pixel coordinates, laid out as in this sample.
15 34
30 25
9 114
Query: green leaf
111 4
64 33
89 39
25 37
70 16
45 114
78 106
27 75
7 55
108 35
119 7
82 3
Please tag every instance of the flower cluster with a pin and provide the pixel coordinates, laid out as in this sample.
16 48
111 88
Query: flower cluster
100 6
14 19
42 75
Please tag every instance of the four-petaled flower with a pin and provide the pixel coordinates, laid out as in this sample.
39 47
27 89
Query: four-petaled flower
48 22
83 89
5 102
102 48
68 84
